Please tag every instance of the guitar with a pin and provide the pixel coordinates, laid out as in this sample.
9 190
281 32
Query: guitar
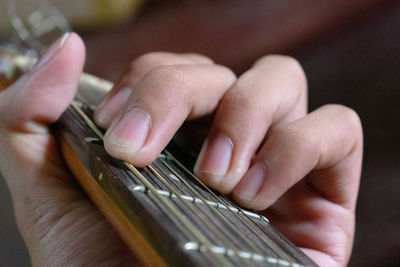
165 214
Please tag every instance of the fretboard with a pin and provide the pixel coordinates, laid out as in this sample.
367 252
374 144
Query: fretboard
183 220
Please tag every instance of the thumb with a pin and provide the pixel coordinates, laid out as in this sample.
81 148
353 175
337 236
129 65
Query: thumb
41 96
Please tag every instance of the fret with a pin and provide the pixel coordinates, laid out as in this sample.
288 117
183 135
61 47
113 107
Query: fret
143 189
205 217
229 225
194 246
218 203
260 235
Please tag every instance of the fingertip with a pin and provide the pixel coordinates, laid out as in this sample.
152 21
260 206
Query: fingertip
214 161
72 52
119 150
127 136
251 184
74 43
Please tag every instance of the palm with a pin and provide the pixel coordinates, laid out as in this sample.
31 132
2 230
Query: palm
58 223
65 216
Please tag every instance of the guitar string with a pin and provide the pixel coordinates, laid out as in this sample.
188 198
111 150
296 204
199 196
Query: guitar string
216 211
218 233
186 223
268 242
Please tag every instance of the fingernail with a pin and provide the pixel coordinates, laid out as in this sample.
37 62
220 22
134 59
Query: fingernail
51 51
215 157
129 134
109 108
251 183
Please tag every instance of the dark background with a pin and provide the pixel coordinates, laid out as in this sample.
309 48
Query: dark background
352 60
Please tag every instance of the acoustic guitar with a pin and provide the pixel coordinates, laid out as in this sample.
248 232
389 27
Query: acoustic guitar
165 214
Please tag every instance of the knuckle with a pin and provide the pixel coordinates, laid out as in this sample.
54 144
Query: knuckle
287 61
170 84
299 141
144 62
169 75
228 75
290 64
347 115
241 101
199 58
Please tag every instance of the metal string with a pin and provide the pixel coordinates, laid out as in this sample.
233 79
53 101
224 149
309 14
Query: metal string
216 211
191 207
269 242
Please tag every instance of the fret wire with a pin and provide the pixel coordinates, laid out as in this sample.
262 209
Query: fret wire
173 191
186 223
216 211
229 210
269 242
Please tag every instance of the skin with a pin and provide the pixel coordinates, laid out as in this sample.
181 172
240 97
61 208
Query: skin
301 170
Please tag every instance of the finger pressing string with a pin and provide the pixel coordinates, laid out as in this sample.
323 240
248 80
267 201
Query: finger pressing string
163 100
328 142
273 92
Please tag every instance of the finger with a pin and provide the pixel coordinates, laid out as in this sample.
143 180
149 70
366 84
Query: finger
115 100
40 97
159 104
271 93
327 143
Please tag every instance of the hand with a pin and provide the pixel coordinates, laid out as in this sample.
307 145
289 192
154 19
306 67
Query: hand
58 223
302 170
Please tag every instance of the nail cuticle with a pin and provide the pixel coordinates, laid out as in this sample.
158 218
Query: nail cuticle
217 156
131 129
252 182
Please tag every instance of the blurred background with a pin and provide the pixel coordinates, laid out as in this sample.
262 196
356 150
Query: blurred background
350 51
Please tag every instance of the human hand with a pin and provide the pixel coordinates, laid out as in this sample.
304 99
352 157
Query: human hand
57 221
301 170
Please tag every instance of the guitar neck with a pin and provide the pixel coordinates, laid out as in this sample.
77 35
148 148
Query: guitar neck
163 212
